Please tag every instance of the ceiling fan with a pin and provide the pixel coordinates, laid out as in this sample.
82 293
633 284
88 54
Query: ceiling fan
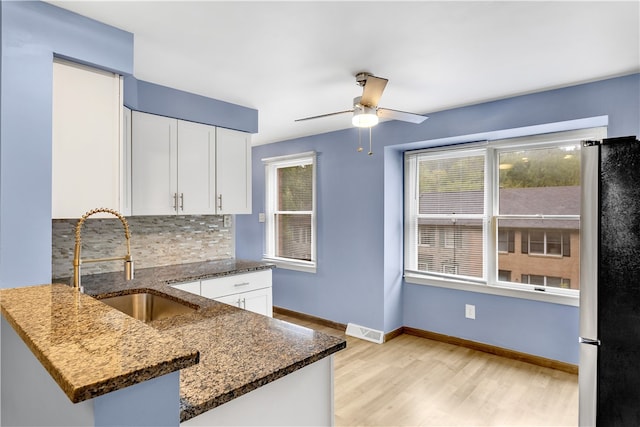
366 112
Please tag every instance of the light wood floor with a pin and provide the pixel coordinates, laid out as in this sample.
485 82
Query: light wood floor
412 381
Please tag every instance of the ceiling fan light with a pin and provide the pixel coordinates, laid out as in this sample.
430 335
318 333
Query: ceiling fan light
364 120
363 116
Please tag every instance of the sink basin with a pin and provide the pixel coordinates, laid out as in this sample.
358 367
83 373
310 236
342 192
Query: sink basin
148 307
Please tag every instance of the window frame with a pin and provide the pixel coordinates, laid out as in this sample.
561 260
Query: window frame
490 283
272 164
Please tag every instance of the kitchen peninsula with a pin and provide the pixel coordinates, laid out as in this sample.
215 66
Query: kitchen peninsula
217 365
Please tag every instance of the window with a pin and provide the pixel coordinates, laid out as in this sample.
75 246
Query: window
506 241
449 212
504 275
551 243
290 211
427 235
490 214
544 281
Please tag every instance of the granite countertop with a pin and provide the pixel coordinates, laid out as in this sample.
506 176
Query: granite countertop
239 351
87 347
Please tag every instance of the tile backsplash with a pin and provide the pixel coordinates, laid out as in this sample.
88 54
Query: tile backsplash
155 241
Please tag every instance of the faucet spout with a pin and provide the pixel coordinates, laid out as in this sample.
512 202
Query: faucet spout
77 261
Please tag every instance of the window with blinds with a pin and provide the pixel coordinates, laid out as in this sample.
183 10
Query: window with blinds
504 214
294 211
449 211
290 216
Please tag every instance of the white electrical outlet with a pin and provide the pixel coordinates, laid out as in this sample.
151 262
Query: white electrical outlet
226 221
261 217
470 311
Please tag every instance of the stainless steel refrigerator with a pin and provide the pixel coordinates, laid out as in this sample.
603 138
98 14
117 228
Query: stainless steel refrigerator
609 376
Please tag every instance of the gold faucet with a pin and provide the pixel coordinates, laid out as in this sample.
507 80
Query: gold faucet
128 262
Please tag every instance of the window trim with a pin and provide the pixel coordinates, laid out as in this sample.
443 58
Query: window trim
271 165
490 284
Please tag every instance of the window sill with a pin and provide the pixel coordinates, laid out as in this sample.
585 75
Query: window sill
289 264
417 279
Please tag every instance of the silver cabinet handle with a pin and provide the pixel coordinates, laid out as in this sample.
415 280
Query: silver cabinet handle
220 201
239 302
244 303
175 201
237 285
181 201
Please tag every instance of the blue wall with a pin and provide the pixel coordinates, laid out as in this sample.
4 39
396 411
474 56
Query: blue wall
360 249
165 101
32 32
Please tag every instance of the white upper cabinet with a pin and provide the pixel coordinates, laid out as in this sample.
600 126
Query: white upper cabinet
196 168
154 166
181 167
87 154
233 172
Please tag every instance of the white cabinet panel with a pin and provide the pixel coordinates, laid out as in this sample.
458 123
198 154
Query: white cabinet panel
196 168
181 167
226 285
233 172
258 301
125 185
234 300
192 287
154 166
249 291
86 139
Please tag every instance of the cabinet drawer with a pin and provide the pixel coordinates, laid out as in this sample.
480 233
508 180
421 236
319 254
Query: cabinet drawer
227 285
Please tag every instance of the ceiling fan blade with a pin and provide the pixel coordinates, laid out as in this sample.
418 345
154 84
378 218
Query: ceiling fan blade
372 91
324 115
386 113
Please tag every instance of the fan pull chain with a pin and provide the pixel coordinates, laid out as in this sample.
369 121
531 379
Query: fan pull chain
359 140
370 150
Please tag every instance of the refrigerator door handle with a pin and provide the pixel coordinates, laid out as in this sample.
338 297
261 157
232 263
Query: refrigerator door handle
590 341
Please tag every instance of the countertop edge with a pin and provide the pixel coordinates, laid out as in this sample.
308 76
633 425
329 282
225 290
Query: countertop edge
84 392
135 377
192 411
205 276
57 376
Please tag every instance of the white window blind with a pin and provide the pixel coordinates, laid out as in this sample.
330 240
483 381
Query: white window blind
450 206
504 214
290 216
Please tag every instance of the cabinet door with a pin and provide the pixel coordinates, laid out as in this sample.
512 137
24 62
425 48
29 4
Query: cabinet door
86 139
154 166
258 301
233 174
234 300
196 168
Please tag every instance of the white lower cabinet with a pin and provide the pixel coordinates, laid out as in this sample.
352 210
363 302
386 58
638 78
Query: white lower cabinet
193 287
257 301
249 291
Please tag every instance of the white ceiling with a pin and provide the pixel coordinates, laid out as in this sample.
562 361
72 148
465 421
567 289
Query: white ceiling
298 58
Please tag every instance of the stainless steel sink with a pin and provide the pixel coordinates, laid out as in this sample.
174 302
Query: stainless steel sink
148 307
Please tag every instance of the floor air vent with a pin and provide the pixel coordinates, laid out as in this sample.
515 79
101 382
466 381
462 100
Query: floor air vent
365 333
